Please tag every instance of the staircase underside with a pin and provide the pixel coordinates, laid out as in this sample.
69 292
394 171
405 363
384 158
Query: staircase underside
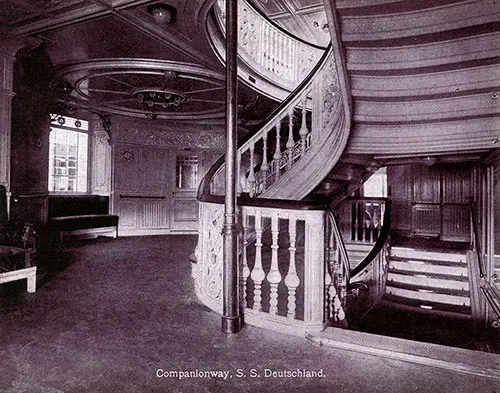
423 75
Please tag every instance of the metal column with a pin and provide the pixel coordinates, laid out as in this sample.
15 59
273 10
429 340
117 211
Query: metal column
231 320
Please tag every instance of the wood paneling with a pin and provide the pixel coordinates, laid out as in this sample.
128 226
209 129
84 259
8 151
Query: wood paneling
457 185
431 201
427 187
146 196
142 180
154 214
456 223
426 220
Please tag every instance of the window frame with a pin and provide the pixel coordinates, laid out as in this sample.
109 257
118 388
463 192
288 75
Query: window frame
56 124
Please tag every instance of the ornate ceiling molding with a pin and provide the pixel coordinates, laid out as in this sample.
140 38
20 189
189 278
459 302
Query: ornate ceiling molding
112 85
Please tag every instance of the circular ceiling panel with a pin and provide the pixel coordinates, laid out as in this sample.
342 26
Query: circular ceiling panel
151 88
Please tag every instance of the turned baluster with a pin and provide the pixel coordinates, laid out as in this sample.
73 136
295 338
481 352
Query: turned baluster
303 132
264 167
372 222
292 280
290 143
251 175
274 276
240 178
277 153
329 275
356 221
258 273
245 271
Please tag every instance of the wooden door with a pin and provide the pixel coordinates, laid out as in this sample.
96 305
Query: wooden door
426 209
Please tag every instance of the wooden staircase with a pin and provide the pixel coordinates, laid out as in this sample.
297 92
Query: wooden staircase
432 282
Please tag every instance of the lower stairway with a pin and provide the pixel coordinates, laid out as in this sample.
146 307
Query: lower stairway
426 299
433 282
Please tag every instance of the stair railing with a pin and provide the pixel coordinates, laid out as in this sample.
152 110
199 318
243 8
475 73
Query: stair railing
337 273
362 219
476 243
265 156
292 276
380 243
268 49
482 291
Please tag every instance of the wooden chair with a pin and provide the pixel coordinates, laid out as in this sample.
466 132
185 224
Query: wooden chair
17 251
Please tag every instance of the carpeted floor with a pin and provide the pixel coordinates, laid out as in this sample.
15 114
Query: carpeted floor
116 315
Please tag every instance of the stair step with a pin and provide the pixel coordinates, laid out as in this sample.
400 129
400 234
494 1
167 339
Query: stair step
428 282
425 276
424 267
431 297
429 261
449 311
423 288
411 253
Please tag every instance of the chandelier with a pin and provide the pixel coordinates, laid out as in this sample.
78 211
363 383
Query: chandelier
166 98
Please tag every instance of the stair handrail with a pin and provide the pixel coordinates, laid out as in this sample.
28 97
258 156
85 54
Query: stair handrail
381 240
340 241
476 246
490 293
204 194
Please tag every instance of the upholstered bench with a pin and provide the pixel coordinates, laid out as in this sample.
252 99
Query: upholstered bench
81 215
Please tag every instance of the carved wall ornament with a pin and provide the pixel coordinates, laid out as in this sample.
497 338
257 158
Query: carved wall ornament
101 138
214 251
128 156
330 93
169 138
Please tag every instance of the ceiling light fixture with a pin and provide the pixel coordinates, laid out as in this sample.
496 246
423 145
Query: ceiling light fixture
162 13
166 98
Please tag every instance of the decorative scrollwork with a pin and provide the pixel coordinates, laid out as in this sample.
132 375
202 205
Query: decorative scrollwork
214 251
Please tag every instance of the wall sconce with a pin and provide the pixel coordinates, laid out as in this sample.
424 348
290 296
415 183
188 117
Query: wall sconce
430 161
162 13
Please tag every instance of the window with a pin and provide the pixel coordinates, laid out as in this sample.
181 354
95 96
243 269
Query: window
68 154
376 185
186 173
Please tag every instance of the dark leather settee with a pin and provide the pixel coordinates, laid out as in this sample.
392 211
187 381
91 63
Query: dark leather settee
81 215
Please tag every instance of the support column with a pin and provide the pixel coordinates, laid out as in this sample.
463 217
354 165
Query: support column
231 320
8 51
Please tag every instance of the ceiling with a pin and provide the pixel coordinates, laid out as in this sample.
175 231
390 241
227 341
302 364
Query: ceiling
108 50
420 72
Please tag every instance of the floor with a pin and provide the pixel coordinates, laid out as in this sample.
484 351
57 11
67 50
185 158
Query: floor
120 315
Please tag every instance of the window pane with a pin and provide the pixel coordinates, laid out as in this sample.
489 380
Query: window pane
68 152
376 185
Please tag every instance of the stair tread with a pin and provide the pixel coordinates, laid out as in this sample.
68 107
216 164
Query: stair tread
421 254
429 289
427 275
417 303
432 297
428 268
428 261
